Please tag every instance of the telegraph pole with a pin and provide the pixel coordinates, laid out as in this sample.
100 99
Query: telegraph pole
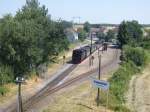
79 20
19 98
90 57
99 77
91 42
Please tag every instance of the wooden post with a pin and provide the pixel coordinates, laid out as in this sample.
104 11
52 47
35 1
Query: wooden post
99 76
91 43
20 109
64 57
107 99
19 81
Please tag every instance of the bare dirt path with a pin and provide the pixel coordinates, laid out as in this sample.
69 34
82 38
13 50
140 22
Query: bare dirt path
138 96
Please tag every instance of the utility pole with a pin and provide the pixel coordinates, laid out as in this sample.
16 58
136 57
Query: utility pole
99 77
90 57
19 81
19 98
91 42
77 21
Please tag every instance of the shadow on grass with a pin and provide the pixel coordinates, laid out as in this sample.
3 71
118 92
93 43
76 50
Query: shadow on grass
85 106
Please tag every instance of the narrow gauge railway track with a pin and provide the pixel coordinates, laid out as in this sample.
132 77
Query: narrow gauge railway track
12 108
70 82
50 85
52 88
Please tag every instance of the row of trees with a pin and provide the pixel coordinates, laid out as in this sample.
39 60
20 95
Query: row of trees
132 41
29 39
83 33
107 36
130 32
101 35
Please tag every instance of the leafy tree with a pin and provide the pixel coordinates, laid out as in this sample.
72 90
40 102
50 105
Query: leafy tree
6 74
147 33
101 35
145 43
7 40
66 24
110 35
123 33
81 34
136 55
87 26
30 39
130 33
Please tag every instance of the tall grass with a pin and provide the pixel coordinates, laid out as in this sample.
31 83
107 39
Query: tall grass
6 76
134 59
3 90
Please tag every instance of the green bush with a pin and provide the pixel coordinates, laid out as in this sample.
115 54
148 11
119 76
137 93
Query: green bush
119 85
145 44
3 90
6 74
136 55
120 79
132 60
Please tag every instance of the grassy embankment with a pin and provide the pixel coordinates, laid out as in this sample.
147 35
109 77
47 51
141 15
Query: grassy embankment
136 60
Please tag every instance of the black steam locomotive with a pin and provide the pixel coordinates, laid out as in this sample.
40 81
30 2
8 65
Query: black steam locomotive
79 55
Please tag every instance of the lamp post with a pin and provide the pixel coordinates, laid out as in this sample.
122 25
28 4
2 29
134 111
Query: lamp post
19 81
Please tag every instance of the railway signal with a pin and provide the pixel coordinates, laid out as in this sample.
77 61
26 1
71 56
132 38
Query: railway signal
19 81
91 42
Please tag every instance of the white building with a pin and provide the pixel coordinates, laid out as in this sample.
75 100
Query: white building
71 34
78 26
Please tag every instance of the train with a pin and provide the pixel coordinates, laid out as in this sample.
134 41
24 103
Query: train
82 53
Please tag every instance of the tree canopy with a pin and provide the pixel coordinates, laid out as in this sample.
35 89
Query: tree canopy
30 38
106 36
81 34
110 35
87 26
101 35
130 32
66 24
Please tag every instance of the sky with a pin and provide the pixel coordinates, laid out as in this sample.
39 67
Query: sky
94 11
